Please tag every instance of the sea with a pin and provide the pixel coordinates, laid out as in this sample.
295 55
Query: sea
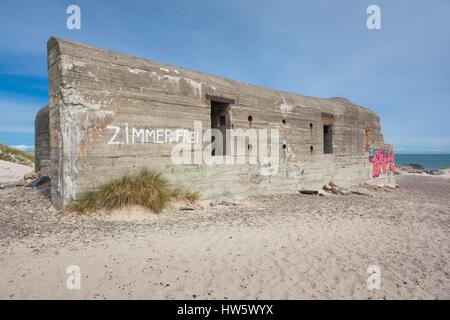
428 161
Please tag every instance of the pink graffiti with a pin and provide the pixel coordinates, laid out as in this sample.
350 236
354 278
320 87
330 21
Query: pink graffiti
391 160
381 160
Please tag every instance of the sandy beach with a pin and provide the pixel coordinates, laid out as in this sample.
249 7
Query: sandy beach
12 172
289 246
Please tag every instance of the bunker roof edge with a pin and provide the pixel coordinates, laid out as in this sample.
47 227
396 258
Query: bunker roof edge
338 101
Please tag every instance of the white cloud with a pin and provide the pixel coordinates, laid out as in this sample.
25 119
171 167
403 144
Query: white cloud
23 147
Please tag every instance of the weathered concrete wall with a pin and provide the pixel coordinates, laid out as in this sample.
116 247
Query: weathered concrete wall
92 90
42 138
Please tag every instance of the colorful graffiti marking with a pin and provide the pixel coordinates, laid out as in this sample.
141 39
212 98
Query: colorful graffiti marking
382 160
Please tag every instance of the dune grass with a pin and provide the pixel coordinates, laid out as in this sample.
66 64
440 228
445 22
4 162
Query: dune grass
10 154
145 188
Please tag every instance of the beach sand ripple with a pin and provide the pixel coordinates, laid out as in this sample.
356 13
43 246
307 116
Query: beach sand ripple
289 246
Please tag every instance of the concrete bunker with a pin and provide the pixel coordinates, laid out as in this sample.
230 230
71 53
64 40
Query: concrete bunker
99 100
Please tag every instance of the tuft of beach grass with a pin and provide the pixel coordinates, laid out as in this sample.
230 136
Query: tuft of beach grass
146 188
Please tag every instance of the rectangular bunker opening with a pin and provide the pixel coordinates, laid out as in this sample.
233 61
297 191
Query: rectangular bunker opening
220 121
328 139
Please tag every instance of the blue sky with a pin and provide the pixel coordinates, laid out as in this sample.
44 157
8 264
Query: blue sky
316 47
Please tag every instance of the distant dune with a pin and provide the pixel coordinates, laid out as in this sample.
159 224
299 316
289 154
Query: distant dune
11 154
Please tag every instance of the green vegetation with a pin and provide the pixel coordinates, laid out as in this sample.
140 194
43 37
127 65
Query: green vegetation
10 154
145 188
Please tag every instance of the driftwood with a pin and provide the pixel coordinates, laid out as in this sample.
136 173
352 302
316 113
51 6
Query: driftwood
361 193
309 191
187 208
